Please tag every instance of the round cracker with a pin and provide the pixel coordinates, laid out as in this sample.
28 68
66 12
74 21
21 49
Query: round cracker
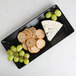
24 46
31 42
29 49
40 33
35 49
33 29
28 33
21 37
36 38
40 43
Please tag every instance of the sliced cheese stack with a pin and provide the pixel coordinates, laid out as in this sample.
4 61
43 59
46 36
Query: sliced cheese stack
51 28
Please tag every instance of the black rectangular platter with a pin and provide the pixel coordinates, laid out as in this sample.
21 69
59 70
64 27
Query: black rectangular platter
36 22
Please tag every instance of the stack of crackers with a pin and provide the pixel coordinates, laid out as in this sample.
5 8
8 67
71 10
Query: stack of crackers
32 39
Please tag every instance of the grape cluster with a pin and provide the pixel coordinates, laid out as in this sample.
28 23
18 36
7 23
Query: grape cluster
56 13
18 55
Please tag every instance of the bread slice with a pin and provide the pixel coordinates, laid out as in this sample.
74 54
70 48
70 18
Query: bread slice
33 29
35 49
24 46
28 33
31 42
21 37
40 43
40 33
36 38
29 49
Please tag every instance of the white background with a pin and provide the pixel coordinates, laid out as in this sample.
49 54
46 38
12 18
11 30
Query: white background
57 61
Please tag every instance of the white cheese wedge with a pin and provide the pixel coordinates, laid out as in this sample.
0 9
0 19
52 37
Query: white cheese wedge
51 28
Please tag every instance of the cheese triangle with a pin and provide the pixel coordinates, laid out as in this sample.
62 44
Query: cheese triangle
51 28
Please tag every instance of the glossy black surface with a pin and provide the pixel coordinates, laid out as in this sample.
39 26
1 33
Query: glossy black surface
36 22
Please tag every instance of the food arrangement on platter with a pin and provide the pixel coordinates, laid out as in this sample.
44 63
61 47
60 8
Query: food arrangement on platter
37 36
32 39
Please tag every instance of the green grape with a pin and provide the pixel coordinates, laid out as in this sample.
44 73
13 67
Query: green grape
48 15
54 17
19 47
10 57
21 60
9 52
13 48
15 53
16 59
26 55
21 53
57 12
26 61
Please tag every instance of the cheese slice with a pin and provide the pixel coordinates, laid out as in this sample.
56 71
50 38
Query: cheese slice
51 28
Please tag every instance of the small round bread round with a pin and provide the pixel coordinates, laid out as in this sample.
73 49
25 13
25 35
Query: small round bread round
31 42
40 33
35 49
40 43
36 38
33 29
21 37
28 33
24 46
29 49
